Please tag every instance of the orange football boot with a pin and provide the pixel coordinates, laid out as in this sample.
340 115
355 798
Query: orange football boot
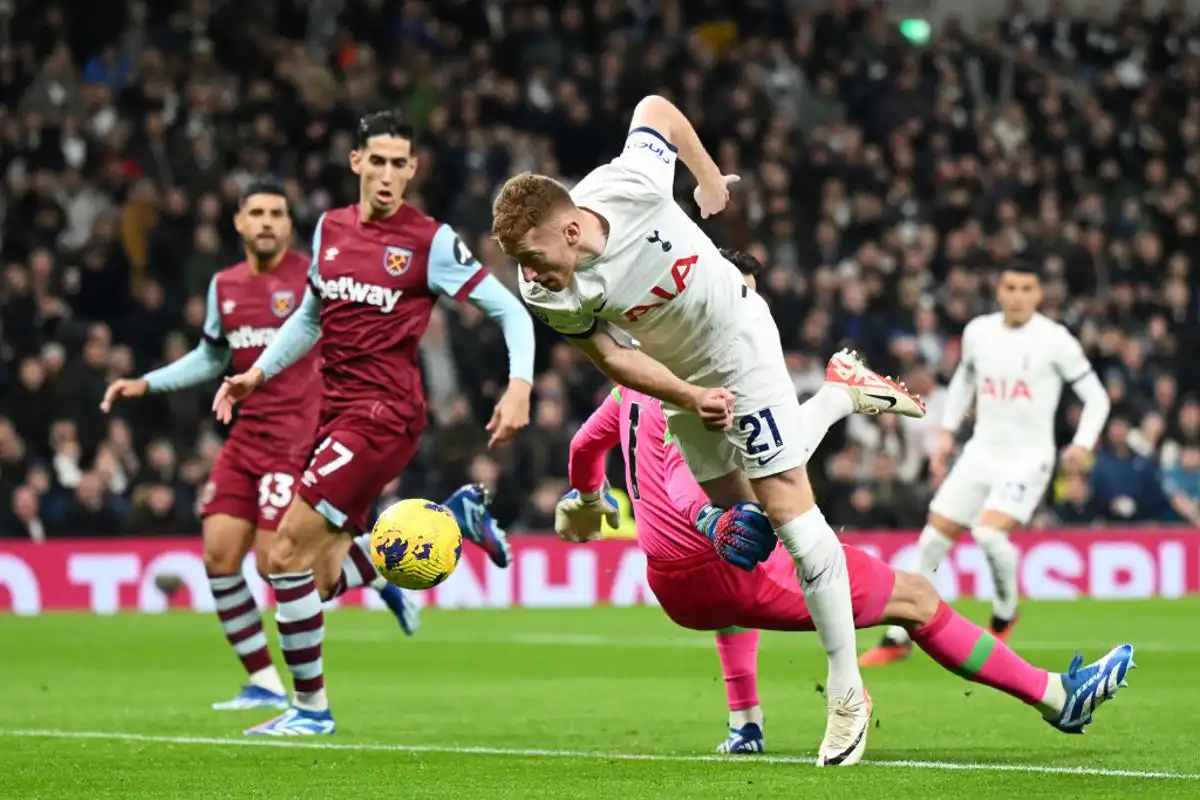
886 653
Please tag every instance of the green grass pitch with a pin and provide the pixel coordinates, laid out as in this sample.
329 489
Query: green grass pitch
597 703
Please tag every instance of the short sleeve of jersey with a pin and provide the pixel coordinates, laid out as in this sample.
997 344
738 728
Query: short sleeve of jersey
572 317
214 329
649 159
453 269
1069 359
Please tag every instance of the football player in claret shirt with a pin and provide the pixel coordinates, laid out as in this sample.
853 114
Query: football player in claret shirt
378 268
255 477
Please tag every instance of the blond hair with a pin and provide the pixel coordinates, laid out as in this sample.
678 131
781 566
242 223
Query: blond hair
526 201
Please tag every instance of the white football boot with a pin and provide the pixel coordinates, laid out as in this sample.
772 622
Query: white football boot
846 732
871 392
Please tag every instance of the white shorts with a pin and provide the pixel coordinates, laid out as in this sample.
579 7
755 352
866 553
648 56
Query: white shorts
766 437
981 481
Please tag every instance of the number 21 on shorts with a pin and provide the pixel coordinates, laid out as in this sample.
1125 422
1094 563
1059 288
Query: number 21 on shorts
762 435
329 457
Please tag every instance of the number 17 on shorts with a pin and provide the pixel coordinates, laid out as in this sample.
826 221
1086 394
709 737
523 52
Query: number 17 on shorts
329 457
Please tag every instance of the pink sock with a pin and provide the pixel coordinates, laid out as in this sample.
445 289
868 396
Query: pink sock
738 649
969 651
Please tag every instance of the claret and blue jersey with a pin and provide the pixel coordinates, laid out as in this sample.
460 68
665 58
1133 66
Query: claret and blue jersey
372 288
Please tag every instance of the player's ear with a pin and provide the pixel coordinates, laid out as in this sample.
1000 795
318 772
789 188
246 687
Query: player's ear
413 163
572 232
356 162
237 221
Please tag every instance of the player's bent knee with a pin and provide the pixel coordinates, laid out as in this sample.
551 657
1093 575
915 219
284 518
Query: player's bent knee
914 601
998 521
946 526
298 541
226 539
785 496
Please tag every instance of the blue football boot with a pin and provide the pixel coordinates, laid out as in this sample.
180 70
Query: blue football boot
252 696
296 722
746 740
1088 687
406 612
469 505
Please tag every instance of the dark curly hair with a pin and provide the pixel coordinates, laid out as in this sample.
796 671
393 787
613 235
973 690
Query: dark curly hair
746 263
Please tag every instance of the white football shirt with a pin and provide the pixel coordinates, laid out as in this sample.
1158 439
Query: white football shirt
660 279
1018 375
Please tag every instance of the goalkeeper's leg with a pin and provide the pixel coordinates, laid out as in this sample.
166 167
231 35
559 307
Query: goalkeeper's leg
1066 700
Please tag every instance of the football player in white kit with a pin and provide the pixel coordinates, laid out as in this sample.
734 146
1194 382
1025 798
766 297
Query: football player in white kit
618 252
1014 364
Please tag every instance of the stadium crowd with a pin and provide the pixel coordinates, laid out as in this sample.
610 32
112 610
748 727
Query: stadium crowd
882 184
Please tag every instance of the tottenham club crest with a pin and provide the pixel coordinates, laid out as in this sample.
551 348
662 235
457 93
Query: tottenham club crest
283 302
396 260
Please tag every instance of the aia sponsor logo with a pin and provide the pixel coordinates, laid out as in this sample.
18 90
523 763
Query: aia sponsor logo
681 270
1004 389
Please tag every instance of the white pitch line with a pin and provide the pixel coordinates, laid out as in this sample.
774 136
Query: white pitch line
584 754
704 642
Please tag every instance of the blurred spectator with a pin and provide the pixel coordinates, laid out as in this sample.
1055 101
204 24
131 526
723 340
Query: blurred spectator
882 185
1181 485
1124 484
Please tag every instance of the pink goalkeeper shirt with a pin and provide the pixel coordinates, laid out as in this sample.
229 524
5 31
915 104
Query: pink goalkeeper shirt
666 498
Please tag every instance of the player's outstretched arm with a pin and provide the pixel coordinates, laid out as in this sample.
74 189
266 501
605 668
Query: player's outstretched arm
661 116
206 362
633 368
599 434
455 272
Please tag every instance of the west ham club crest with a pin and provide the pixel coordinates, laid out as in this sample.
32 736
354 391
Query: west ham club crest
396 260
283 302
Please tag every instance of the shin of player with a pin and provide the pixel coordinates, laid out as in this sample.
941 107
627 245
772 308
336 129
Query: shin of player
1014 366
1066 700
586 259
227 540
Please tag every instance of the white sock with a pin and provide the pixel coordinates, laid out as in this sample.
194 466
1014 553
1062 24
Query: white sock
820 413
1054 699
745 716
1002 557
821 568
268 678
378 582
312 701
932 548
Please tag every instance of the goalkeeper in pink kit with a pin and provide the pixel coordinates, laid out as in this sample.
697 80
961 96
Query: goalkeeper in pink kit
725 570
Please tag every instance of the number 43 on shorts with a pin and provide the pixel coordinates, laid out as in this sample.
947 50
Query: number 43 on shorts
329 457
762 435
